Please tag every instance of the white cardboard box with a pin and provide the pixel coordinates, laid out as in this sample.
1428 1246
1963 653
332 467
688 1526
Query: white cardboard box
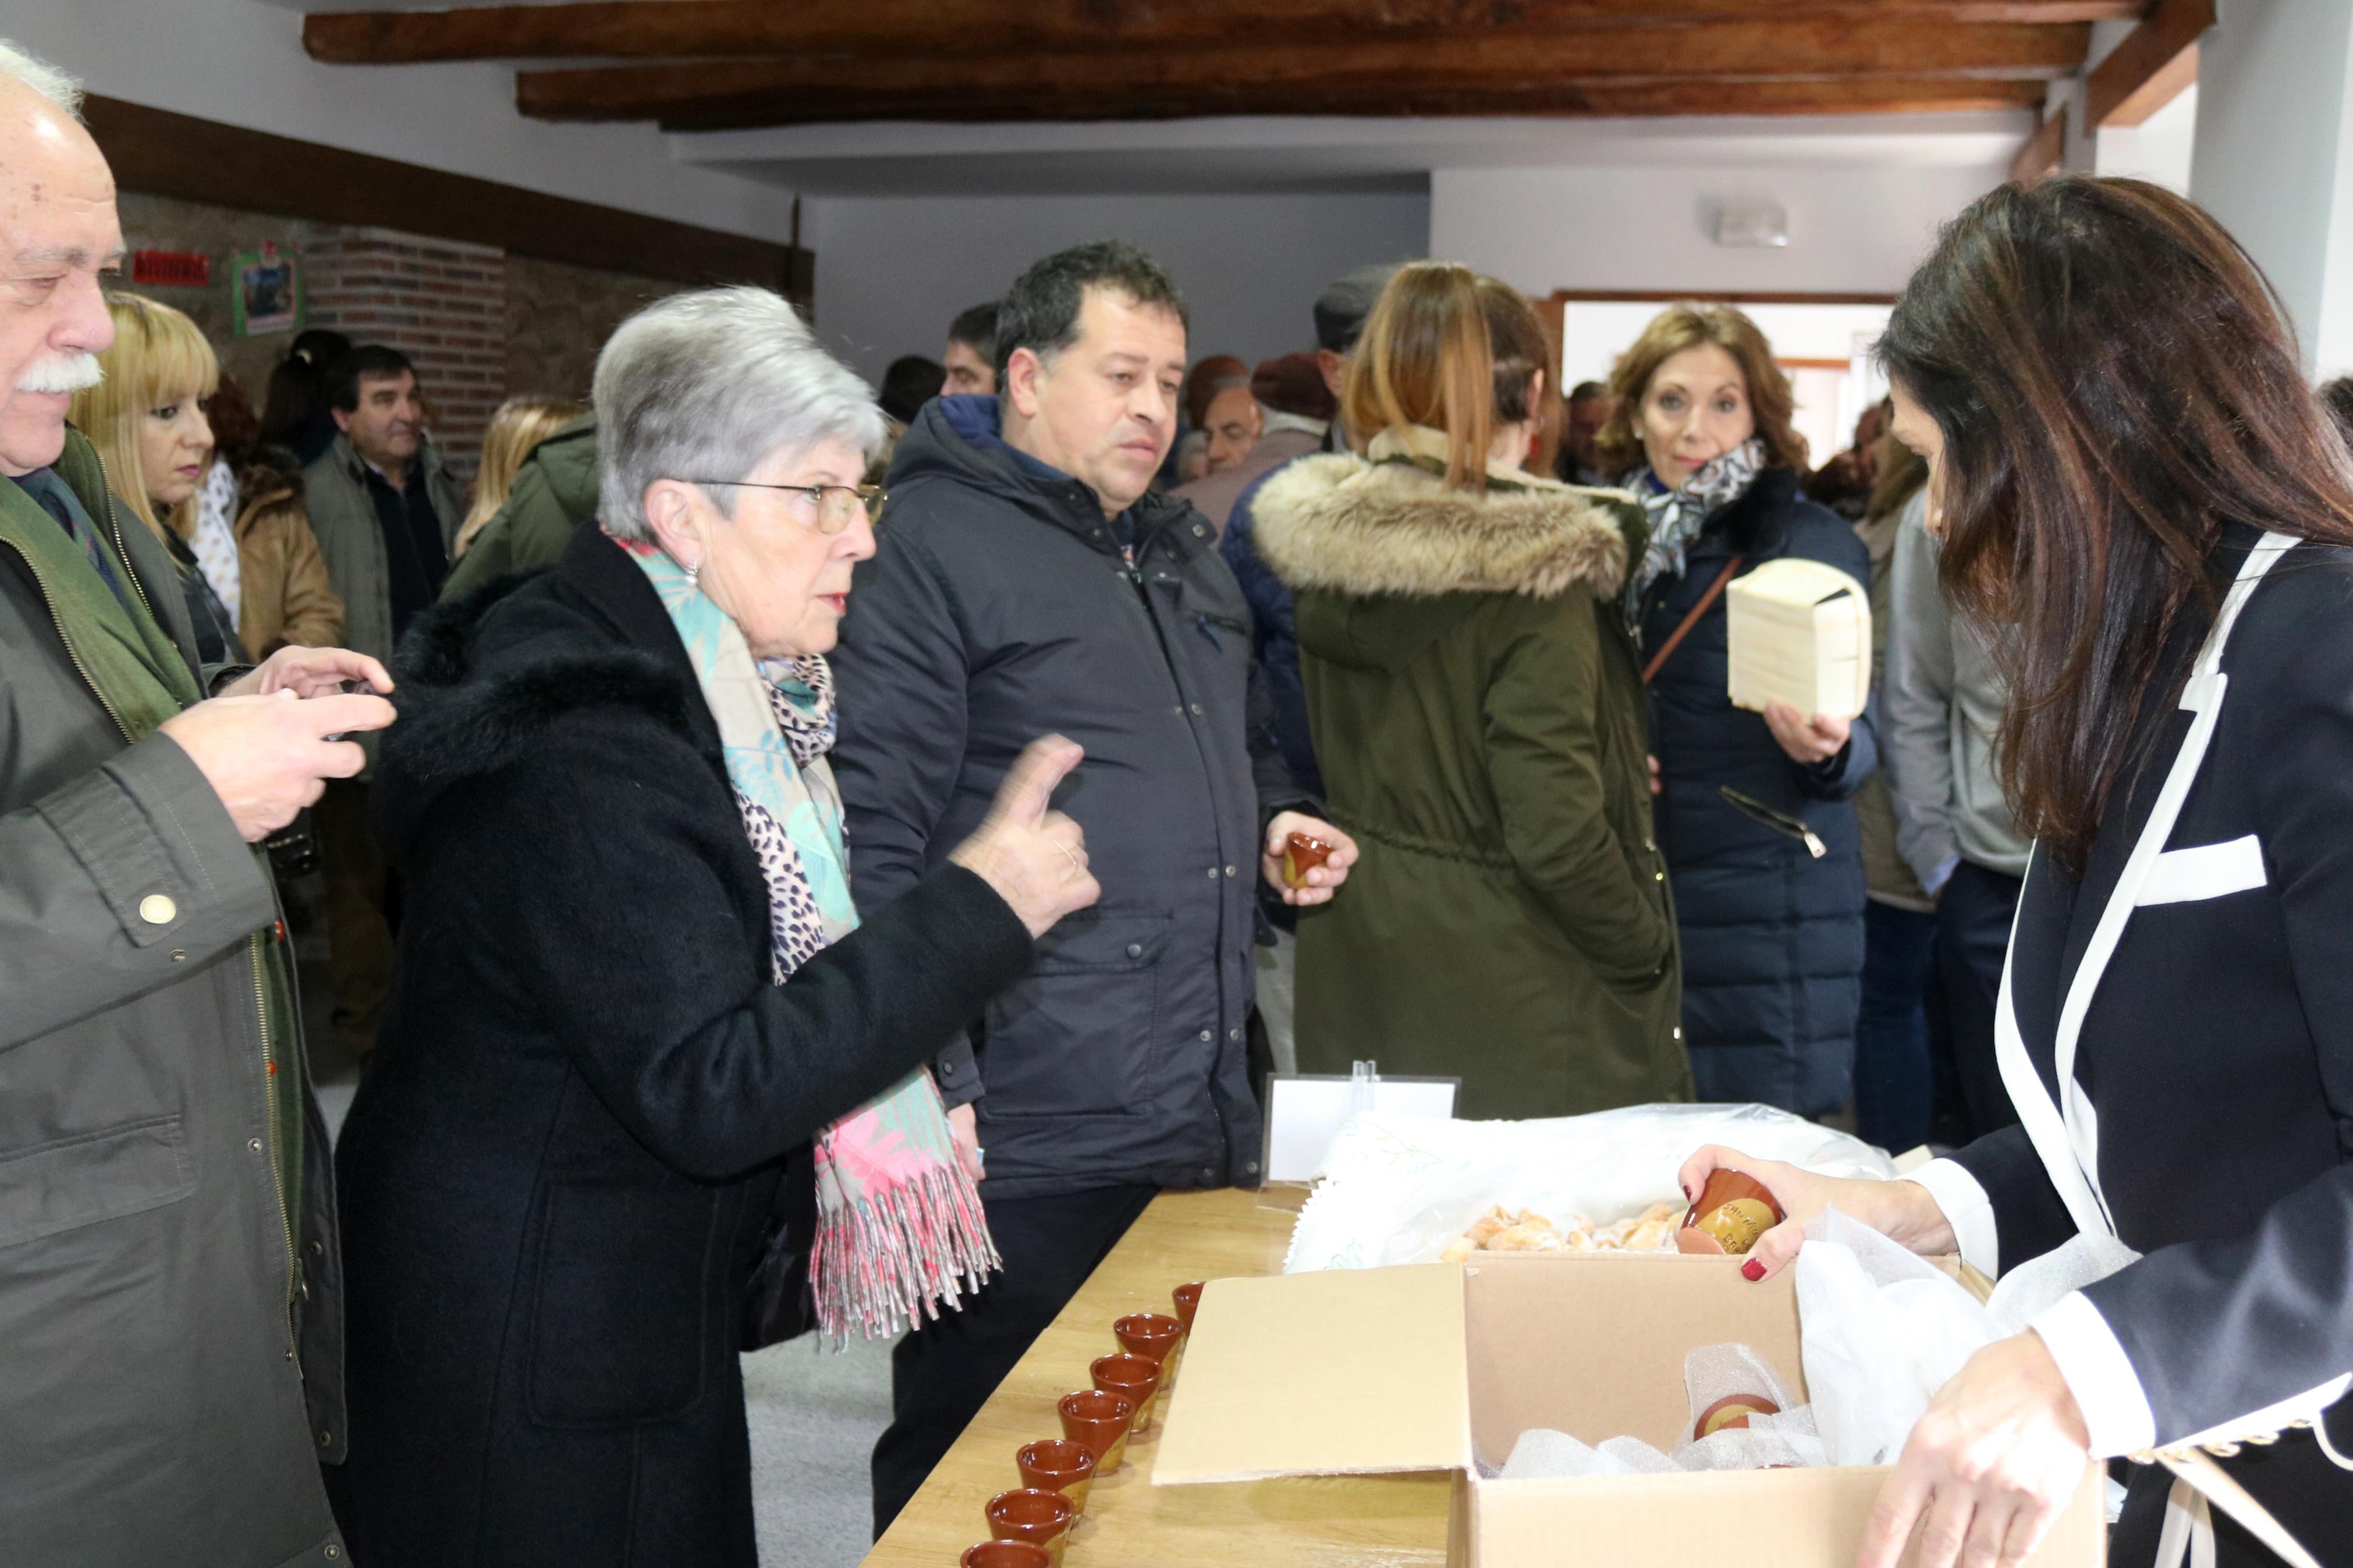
1799 632
1432 1366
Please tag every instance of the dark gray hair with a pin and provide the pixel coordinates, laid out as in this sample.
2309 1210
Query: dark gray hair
43 78
1041 311
707 385
976 330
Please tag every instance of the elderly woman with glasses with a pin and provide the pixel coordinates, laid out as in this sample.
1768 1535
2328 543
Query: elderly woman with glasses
645 1097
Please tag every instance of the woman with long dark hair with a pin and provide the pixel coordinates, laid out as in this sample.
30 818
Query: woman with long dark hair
2143 501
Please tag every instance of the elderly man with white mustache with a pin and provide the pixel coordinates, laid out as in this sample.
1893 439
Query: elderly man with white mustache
170 1323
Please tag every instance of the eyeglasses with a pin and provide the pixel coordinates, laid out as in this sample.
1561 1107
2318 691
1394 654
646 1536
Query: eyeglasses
837 505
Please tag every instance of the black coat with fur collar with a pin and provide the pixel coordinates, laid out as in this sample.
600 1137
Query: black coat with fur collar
585 1087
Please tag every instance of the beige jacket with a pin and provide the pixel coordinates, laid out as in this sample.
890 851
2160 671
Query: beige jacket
284 597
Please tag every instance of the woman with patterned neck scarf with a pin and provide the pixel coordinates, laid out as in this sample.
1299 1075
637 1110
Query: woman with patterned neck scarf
642 1054
1754 813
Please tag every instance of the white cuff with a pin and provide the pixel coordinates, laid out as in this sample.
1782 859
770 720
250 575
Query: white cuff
2100 1375
1967 1210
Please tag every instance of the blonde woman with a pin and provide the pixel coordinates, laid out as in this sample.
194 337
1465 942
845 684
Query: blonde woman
520 425
1477 706
258 585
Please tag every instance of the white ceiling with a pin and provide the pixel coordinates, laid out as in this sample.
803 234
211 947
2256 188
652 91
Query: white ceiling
1312 154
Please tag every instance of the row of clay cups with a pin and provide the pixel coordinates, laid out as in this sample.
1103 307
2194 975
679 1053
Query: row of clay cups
1057 1473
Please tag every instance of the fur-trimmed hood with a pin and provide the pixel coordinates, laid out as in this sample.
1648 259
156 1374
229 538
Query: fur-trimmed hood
481 678
1346 525
1386 559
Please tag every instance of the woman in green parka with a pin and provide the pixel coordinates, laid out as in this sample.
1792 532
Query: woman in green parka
1477 708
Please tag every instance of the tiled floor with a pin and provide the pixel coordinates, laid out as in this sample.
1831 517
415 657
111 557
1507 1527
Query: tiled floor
814 1415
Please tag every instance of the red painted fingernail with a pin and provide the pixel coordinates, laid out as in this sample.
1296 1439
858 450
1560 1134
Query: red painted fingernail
1753 1271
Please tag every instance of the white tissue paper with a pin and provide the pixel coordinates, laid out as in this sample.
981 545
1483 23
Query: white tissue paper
1710 1373
1716 1371
1786 1441
1881 1329
1543 1454
1397 1189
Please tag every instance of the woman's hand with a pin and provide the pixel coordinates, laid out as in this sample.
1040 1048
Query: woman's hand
310 672
963 1130
1996 1458
1901 1211
1034 857
1809 741
1321 880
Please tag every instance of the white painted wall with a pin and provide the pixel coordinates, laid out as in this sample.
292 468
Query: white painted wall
1594 333
241 61
1851 229
890 273
2273 160
2159 149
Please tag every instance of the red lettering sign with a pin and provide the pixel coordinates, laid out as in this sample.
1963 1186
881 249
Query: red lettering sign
179 269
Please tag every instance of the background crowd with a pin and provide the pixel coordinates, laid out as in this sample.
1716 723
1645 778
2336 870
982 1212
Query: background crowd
1067 633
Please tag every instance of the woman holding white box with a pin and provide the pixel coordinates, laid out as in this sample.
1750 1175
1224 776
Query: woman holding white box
1754 813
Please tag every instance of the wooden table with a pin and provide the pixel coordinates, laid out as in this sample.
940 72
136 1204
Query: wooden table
1361 1522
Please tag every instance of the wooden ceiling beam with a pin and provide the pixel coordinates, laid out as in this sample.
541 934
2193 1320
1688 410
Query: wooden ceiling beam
658 29
2044 151
2144 72
169 155
1383 76
1545 99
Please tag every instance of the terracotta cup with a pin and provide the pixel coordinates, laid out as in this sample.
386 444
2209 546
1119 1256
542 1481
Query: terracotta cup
1188 1301
1733 1211
1058 1464
1097 1422
1133 1379
1031 1514
1147 1334
1006 1554
1302 853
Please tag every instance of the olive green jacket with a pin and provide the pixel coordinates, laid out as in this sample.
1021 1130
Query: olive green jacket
554 492
1479 716
170 1377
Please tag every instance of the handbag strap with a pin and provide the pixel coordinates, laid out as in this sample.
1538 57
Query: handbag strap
2200 1480
1674 639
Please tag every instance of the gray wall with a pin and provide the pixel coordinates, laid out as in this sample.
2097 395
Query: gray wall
2274 158
890 273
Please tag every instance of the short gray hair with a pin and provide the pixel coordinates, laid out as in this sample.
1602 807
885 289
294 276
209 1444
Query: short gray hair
705 385
43 78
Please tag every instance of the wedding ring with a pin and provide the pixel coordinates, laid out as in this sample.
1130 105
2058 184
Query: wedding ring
1078 867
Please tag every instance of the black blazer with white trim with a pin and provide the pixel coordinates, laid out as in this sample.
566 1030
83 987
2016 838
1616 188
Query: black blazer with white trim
2218 1048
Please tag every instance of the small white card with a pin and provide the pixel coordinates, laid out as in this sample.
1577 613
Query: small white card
1305 1111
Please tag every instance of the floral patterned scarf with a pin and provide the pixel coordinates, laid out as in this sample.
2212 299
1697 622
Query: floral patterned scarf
900 1225
1677 515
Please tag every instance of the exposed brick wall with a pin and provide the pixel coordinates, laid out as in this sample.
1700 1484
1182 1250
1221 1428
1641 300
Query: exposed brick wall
558 317
441 303
544 324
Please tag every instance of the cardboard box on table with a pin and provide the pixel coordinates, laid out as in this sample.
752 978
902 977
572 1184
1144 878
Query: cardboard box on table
1429 1366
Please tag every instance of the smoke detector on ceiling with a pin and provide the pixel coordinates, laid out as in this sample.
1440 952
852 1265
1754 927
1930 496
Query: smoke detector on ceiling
1757 226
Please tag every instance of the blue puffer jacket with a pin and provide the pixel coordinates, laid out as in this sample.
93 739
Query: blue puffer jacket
1772 938
1274 639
